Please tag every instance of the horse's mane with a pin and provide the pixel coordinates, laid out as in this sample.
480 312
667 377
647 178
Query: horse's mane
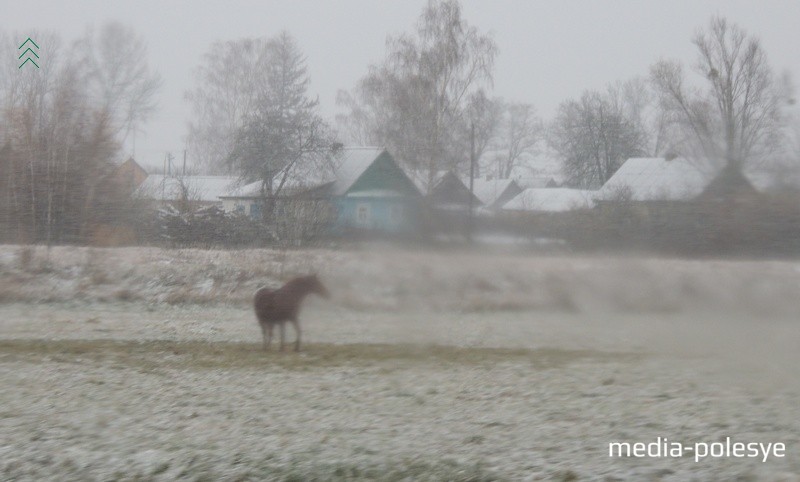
297 282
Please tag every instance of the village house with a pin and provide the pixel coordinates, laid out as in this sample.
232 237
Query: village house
129 175
646 179
658 180
450 194
185 192
550 200
538 182
366 189
494 193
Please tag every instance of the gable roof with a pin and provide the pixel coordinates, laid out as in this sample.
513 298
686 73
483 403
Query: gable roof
349 166
382 177
556 199
132 164
162 187
129 175
491 191
656 178
290 187
449 191
424 184
536 182
727 183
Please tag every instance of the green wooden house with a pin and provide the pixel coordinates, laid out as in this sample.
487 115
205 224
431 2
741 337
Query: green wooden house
372 193
366 192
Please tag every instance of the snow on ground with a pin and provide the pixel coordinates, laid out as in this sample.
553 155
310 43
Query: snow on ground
144 363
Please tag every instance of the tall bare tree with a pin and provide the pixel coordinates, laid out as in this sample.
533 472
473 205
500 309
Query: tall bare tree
119 77
734 120
517 137
481 124
594 137
415 102
229 82
638 102
786 168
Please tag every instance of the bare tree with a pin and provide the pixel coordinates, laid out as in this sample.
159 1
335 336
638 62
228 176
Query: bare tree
61 129
594 137
518 135
734 120
119 77
481 124
786 169
637 101
415 102
230 80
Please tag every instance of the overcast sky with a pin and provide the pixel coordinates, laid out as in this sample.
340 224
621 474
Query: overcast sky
549 50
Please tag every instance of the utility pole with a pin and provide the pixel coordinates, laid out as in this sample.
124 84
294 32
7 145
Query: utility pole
184 162
169 160
470 219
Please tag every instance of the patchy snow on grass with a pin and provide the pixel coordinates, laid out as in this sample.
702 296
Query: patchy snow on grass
145 364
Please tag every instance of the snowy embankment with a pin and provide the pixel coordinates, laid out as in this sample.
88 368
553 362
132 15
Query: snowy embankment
402 280
144 364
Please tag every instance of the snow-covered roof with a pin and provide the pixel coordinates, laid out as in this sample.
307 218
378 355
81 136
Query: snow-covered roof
350 164
347 166
199 188
535 182
656 179
376 193
421 180
556 199
774 180
290 186
250 190
489 191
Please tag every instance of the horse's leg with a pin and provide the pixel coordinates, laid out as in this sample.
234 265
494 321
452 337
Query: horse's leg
263 335
296 325
266 334
283 334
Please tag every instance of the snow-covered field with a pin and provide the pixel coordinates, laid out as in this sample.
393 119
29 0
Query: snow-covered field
144 364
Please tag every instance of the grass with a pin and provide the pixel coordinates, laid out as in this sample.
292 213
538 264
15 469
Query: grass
156 354
301 470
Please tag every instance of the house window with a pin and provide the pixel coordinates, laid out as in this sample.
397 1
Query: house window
255 210
362 213
239 209
395 213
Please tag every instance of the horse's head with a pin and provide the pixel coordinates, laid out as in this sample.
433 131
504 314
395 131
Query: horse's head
315 286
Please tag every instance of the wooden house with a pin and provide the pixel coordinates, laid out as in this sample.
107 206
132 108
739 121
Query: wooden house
366 190
373 193
494 193
449 193
129 175
655 179
550 200
185 193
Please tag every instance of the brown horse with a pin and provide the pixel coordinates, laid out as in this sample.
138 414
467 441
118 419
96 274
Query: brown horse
276 307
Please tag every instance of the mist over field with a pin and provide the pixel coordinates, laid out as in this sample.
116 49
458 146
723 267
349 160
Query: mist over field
428 240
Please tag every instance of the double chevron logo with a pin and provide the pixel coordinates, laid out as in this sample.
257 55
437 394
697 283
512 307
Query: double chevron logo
28 53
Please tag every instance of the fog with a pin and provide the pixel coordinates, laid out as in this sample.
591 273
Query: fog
549 53
429 240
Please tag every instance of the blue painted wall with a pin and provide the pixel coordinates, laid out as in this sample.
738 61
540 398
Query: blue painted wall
399 215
